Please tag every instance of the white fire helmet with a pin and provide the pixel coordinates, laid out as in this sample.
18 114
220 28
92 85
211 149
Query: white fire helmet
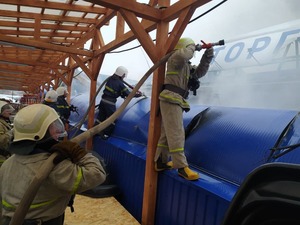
51 96
121 70
184 42
61 91
33 121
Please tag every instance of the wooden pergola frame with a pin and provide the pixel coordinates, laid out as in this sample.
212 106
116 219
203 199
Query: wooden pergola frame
42 43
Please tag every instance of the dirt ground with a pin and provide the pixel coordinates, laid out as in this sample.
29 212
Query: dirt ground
98 211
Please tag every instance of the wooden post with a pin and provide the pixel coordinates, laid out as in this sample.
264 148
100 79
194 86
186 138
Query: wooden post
150 185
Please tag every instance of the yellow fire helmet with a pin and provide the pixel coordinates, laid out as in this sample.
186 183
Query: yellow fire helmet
32 122
184 42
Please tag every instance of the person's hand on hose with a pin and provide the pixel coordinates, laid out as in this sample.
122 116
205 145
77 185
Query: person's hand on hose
68 149
198 47
209 54
138 94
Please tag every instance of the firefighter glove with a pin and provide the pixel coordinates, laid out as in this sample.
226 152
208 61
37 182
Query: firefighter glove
68 149
198 47
209 53
138 94
73 108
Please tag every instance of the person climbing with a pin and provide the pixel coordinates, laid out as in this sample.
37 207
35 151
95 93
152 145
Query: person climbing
173 102
114 89
38 132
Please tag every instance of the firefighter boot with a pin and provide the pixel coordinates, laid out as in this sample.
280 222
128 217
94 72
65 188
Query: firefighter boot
160 166
188 174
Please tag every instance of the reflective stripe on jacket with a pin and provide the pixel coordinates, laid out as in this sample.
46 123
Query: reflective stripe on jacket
178 74
115 88
54 194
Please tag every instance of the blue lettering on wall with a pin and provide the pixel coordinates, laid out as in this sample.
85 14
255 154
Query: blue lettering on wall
240 46
259 45
217 50
283 38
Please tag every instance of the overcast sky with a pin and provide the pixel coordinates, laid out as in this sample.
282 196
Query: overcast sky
230 20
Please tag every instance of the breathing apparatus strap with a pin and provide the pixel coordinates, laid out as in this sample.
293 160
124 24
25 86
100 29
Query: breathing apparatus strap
178 90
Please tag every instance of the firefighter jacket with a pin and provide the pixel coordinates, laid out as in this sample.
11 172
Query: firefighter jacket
63 108
114 88
55 192
51 104
178 74
5 138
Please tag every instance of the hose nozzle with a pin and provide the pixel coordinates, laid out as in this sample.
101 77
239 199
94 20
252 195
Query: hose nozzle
209 45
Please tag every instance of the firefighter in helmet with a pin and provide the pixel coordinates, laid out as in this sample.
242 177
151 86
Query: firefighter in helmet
114 89
51 99
173 103
37 133
6 133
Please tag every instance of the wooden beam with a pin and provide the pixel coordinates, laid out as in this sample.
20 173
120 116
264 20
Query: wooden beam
150 183
179 28
43 45
56 5
172 12
43 26
34 33
141 10
31 63
82 65
140 33
61 76
124 39
32 16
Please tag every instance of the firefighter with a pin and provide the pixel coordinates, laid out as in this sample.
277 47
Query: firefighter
37 133
51 99
114 89
173 103
6 133
63 106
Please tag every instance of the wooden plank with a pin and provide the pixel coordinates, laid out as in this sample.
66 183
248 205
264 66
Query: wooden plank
96 211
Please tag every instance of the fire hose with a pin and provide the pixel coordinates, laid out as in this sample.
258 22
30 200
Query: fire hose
48 166
78 126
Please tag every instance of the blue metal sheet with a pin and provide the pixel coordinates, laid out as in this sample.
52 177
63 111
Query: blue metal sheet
231 142
224 147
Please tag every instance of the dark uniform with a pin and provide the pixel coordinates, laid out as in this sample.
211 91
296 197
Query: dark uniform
114 88
63 108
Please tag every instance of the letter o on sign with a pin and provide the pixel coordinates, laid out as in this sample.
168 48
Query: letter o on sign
234 52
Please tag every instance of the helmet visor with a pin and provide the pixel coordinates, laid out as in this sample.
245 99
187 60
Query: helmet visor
57 130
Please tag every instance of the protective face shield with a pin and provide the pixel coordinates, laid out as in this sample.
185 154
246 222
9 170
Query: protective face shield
184 42
61 91
51 96
121 71
32 122
57 130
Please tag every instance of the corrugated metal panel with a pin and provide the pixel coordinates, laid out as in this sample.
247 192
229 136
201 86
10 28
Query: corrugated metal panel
231 142
228 144
179 201
127 171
